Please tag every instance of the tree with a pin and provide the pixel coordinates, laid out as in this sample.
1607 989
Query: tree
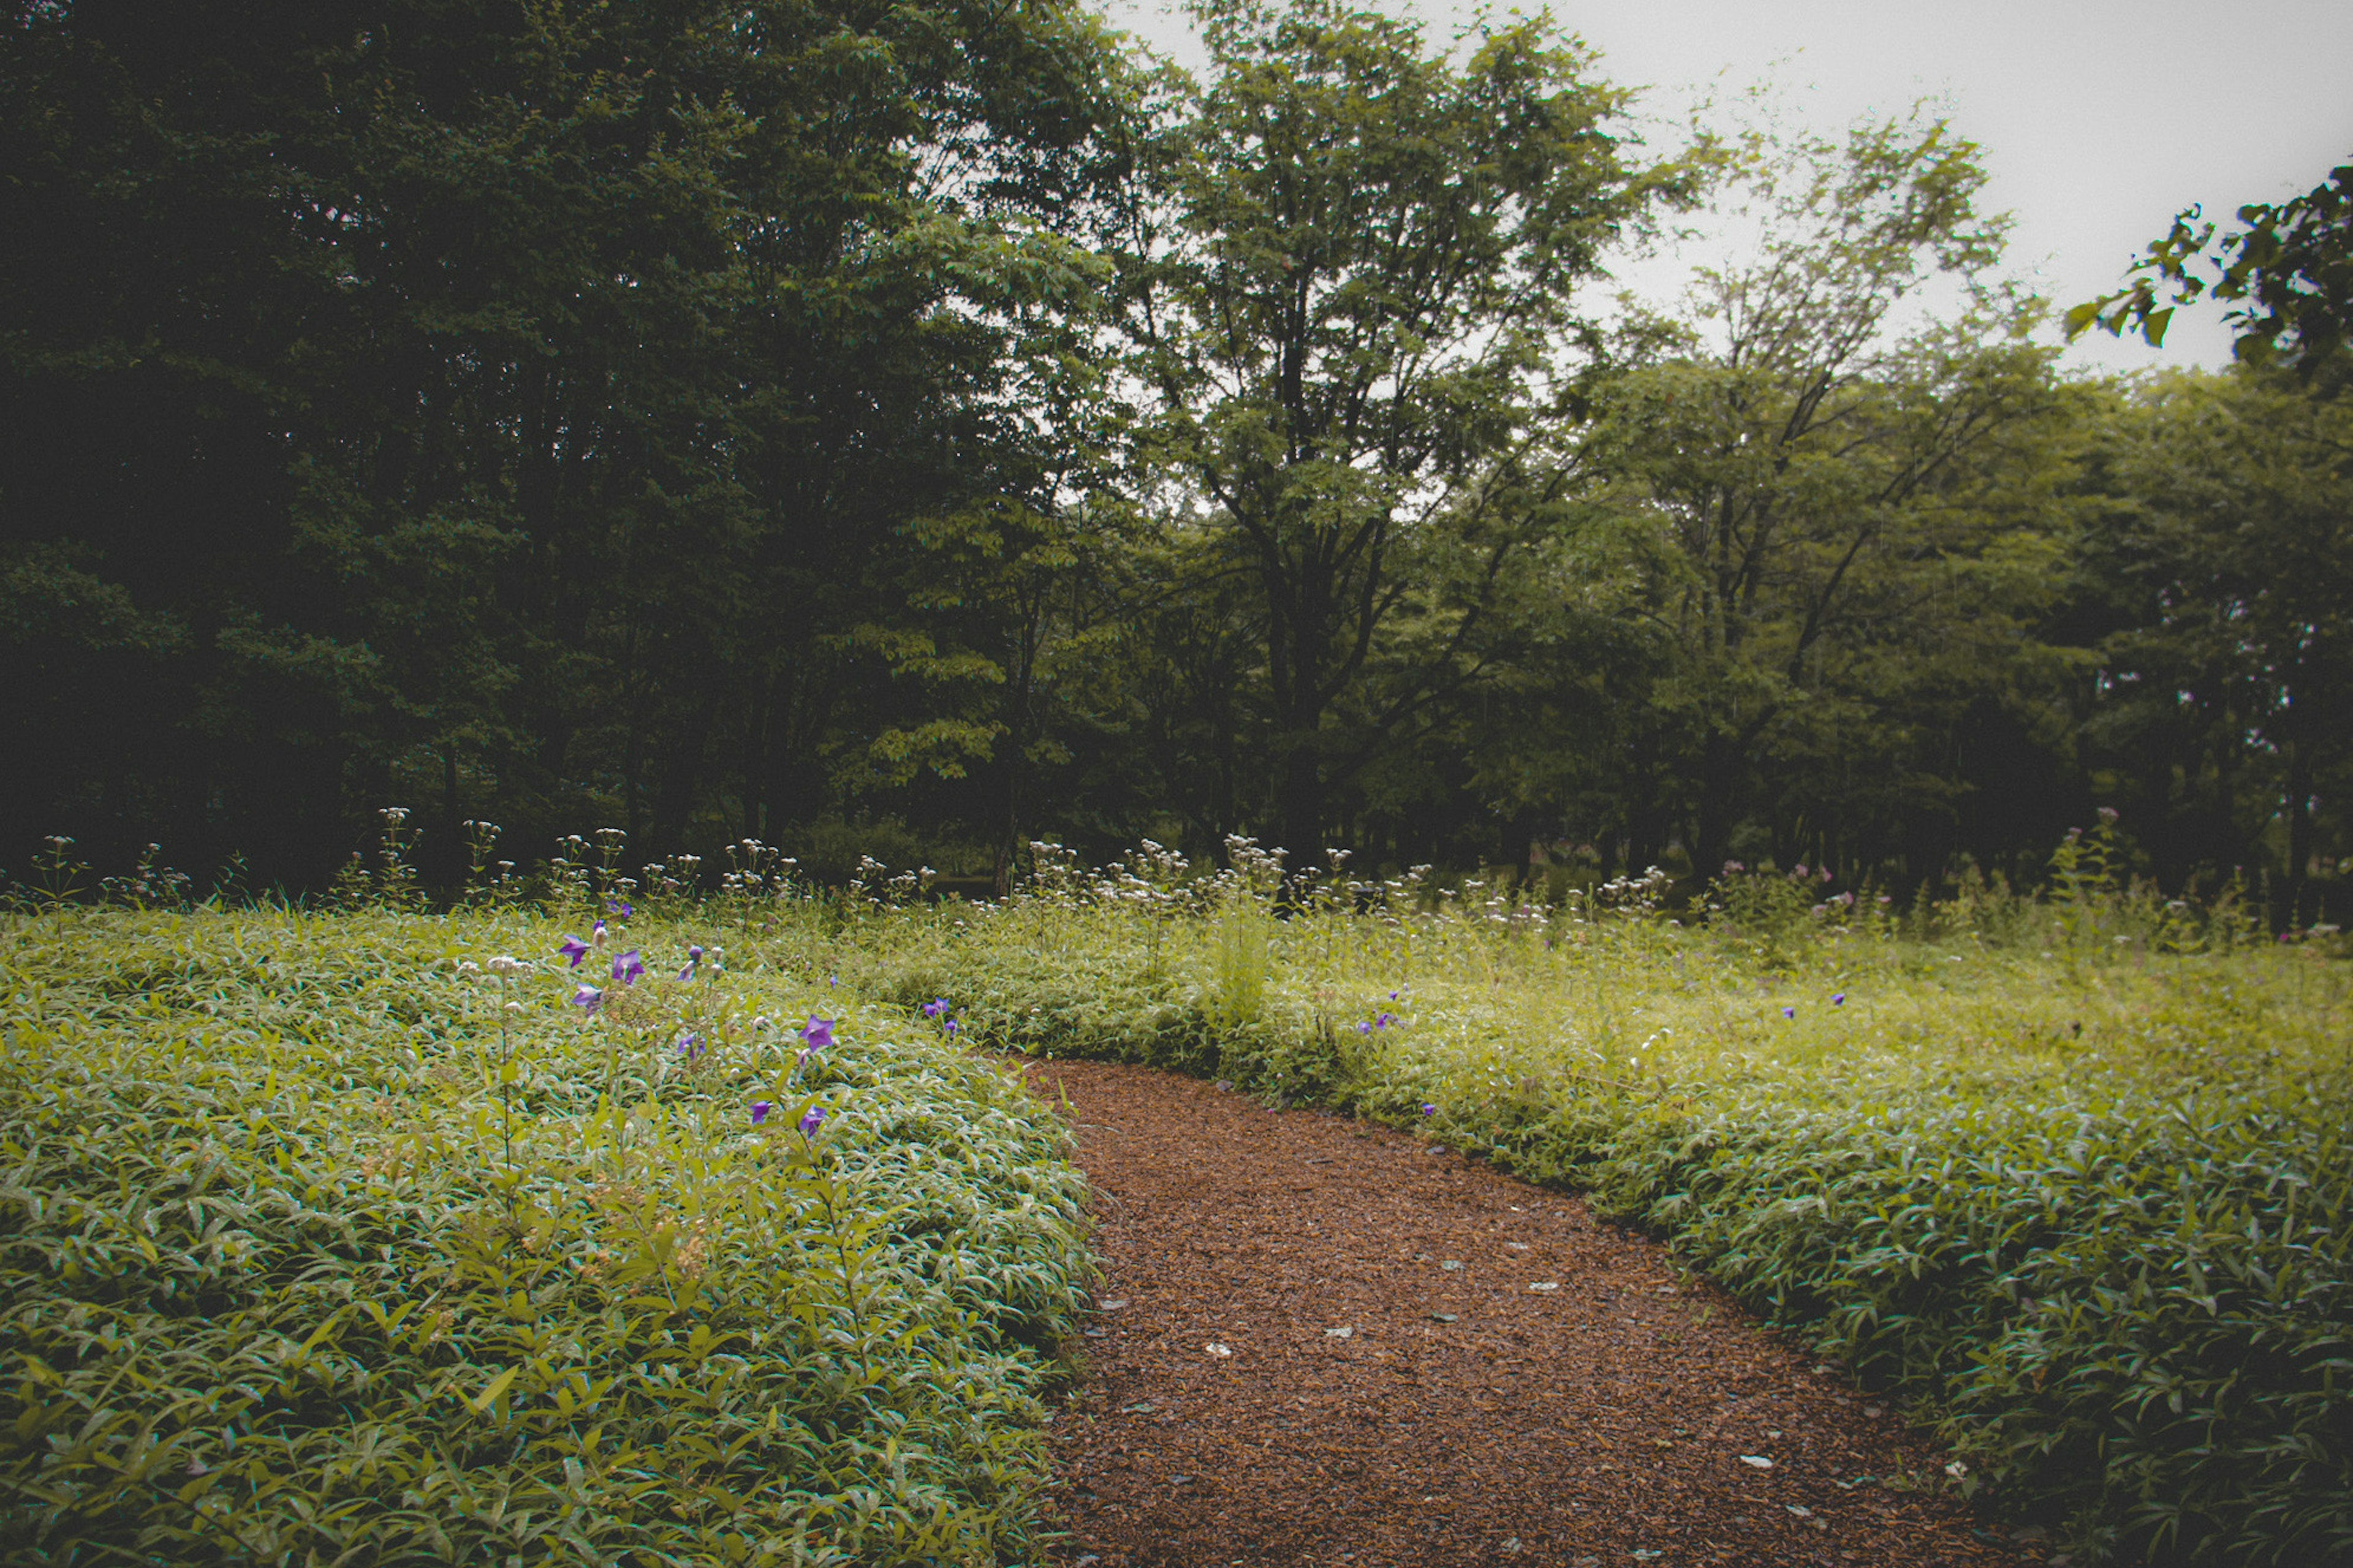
2291 268
1839 487
2225 706
534 407
1356 311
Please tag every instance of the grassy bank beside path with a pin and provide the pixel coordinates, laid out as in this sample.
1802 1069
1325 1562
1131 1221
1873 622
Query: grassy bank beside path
380 1235
2070 1175
331 1237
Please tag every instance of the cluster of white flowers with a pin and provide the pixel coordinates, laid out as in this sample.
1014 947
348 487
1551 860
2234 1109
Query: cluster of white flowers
874 883
755 870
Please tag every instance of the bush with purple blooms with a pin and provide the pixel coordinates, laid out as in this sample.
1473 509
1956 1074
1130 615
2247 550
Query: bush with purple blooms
349 1236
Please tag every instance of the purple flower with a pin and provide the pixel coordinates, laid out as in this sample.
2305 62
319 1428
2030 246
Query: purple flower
934 1009
760 1108
588 997
616 907
951 1029
813 1118
1838 999
689 1045
817 1033
573 948
628 967
1364 1028
1789 1012
1427 1109
1384 1020
694 957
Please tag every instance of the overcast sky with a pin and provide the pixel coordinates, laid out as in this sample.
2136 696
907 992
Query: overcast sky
2099 119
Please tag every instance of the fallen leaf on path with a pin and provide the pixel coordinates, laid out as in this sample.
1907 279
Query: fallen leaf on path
1758 1460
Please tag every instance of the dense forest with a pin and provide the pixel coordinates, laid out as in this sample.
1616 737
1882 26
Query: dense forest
925 428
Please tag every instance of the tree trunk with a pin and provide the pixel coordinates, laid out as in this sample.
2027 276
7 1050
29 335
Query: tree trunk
2299 833
1301 807
1719 799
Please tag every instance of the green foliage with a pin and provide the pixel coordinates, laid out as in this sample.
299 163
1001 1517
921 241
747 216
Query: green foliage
444 397
1845 497
2127 1305
2292 266
801 421
341 1237
2222 564
2069 1173
1355 306
1240 960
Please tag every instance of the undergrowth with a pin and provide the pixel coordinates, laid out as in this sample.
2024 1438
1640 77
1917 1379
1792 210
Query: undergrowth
376 1236
328 1237
2068 1173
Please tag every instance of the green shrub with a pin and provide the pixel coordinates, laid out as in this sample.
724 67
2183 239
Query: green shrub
2133 1312
320 1246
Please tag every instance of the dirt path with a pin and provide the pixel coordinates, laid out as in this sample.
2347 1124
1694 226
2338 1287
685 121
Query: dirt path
1432 1364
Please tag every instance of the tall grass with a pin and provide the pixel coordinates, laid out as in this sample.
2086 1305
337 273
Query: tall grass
2068 1171
326 1237
361 1237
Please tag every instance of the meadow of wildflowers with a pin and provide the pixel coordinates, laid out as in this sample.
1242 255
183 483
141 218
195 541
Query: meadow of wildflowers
489 1235
2070 1172
610 1217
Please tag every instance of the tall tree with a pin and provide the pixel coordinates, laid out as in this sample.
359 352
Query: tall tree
1357 313
1836 468
2224 715
518 404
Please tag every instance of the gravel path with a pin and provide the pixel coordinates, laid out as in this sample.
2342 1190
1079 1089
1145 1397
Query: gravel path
1320 1342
